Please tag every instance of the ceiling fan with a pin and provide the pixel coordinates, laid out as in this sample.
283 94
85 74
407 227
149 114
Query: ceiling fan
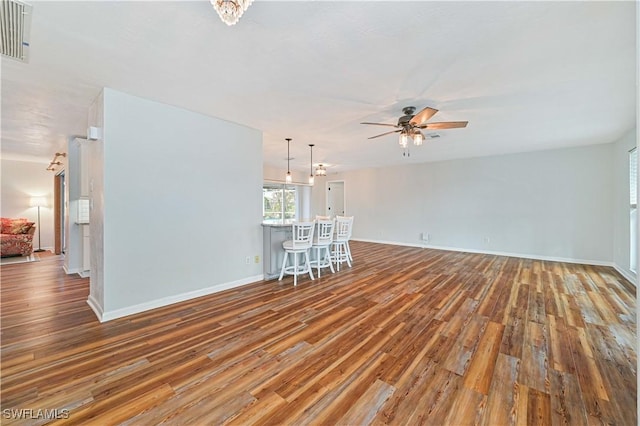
410 124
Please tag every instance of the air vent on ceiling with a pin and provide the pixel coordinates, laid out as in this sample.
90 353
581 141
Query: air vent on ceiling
432 135
15 19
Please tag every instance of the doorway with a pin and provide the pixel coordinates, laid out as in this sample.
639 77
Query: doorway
335 198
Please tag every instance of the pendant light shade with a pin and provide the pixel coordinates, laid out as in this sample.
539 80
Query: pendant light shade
311 178
288 178
321 170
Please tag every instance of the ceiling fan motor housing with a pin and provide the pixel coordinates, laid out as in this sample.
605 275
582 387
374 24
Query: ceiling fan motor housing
409 114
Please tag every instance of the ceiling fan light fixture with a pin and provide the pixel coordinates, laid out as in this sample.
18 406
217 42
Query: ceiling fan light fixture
418 138
230 11
404 140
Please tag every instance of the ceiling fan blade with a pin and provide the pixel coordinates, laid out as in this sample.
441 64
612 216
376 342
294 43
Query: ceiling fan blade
383 134
381 124
444 125
420 118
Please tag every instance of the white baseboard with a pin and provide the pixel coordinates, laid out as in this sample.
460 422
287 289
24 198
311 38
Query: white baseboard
629 275
70 271
495 253
95 307
83 274
169 300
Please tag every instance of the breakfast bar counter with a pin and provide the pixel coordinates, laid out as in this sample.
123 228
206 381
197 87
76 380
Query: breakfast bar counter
274 234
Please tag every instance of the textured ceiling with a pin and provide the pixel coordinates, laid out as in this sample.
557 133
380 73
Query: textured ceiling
526 75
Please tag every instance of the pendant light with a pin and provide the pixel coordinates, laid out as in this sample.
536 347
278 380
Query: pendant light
288 179
311 179
320 170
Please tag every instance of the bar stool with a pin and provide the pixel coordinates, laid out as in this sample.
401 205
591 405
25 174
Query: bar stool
322 245
340 244
301 243
349 237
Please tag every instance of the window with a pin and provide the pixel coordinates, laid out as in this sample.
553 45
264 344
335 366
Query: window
633 205
278 203
633 177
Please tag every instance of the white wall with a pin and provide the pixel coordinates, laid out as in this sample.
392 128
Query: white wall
73 237
181 204
96 159
275 174
621 220
22 180
555 204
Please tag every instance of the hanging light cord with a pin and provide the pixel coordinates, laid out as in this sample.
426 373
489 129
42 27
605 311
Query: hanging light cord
288 177
288 156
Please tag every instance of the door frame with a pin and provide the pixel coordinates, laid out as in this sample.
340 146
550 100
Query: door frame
58 211
344 195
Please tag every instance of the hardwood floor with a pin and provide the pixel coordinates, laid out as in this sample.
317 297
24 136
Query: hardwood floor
406 336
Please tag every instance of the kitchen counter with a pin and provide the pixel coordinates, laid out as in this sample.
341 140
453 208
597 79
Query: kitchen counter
274 234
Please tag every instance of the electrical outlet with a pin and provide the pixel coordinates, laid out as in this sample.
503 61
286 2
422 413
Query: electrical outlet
256 259
426 237
486 240
247 260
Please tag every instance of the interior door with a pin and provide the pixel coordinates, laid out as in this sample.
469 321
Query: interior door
335 198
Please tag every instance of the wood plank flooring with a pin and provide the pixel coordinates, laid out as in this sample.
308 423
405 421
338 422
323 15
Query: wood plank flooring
405 336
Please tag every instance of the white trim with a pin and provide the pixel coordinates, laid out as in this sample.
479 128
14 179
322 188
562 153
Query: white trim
95 306
83 274
629 275
70 271
496 253
393 243
169 300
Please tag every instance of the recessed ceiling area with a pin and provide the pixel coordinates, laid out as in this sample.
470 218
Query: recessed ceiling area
525 75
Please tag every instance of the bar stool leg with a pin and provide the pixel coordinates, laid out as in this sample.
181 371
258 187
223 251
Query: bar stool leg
306 256
318 260
327 258
284 265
